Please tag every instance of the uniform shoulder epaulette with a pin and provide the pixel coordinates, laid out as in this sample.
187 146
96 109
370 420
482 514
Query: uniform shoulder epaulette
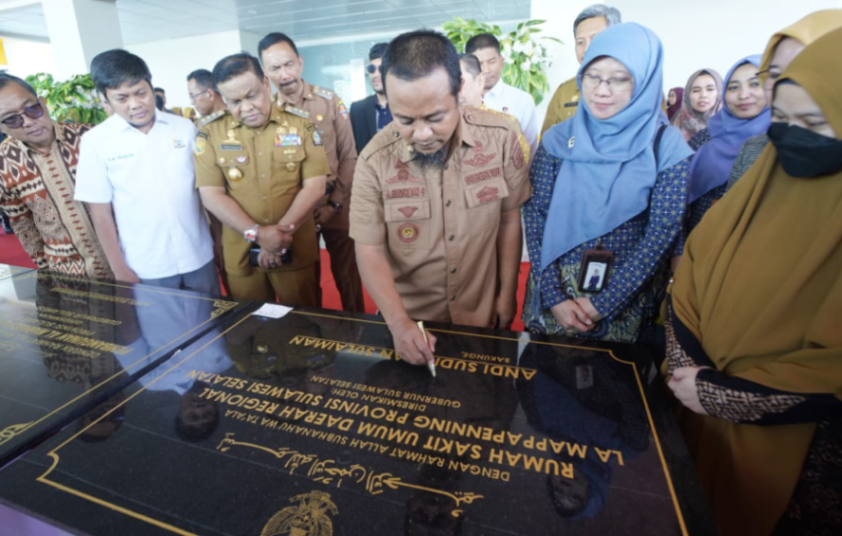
324 93
487 118
383 139
211 118
296 111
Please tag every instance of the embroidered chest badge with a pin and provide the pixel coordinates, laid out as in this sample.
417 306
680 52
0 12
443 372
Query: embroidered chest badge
408 211
408 232
403 176
488 194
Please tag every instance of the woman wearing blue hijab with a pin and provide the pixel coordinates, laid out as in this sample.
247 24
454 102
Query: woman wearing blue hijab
745 114
609 192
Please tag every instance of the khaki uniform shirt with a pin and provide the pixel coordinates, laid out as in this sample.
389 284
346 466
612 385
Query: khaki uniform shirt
439 225
263 169
327 111
515 124
563 104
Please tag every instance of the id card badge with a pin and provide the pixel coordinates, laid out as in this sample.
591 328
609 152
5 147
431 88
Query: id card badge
593 273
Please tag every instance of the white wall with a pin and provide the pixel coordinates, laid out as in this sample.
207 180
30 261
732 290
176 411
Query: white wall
173 59
248 42
713 33
29 57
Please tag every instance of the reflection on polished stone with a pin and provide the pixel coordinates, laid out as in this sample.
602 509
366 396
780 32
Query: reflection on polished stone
309 425
7 270
67 345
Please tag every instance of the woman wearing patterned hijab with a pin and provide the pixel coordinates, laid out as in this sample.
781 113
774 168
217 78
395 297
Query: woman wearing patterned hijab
754 329
702 98
608 183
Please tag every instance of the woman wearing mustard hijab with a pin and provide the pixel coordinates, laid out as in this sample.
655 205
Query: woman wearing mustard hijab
754 330
782 49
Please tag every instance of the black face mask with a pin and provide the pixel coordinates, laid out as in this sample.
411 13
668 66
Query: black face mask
803 153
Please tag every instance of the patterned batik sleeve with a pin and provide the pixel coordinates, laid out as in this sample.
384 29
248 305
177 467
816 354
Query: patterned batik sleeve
23 224
666 218
745 402
699 138
739 400
542 175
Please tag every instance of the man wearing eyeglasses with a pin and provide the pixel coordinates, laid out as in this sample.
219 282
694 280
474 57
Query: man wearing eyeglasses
283 65
204 96
370 115
37 182
588 23
208 102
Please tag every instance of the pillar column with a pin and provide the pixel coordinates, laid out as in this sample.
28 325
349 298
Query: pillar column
79 30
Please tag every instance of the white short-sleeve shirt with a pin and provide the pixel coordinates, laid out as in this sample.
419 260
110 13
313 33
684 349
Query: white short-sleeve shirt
150 181
518 103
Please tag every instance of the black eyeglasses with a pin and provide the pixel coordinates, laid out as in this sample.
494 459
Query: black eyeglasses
33 112
371 69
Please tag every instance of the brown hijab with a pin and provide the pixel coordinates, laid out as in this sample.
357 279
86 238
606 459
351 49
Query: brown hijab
689 120
760 287
806 31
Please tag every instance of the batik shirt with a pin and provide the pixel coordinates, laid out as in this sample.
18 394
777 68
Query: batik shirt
642 246
36 191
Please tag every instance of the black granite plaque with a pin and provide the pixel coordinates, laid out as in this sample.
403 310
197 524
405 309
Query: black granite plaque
7 270
68 344
308 425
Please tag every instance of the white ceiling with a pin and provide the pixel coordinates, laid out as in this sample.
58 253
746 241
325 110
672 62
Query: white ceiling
152 20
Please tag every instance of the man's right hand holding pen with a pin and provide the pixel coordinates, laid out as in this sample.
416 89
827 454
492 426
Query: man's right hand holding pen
411 344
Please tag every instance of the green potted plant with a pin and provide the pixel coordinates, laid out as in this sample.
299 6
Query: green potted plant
523 52
74 100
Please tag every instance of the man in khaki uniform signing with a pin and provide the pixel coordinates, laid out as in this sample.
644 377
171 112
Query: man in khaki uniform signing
261 171
326 110
435 211
591 21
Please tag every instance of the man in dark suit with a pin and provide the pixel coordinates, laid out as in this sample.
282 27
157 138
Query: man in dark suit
370 115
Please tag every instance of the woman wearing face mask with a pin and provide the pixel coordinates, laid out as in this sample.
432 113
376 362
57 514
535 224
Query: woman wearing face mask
608 202
781 50
702 98
745 115
754 333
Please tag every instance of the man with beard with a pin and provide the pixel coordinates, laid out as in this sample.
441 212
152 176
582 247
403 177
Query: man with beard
370 115
435 211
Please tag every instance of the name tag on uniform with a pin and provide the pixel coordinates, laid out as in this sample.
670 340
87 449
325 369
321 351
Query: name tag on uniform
228 146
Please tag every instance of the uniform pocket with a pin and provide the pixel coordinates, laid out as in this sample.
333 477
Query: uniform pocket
483 203
286 170
408 223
